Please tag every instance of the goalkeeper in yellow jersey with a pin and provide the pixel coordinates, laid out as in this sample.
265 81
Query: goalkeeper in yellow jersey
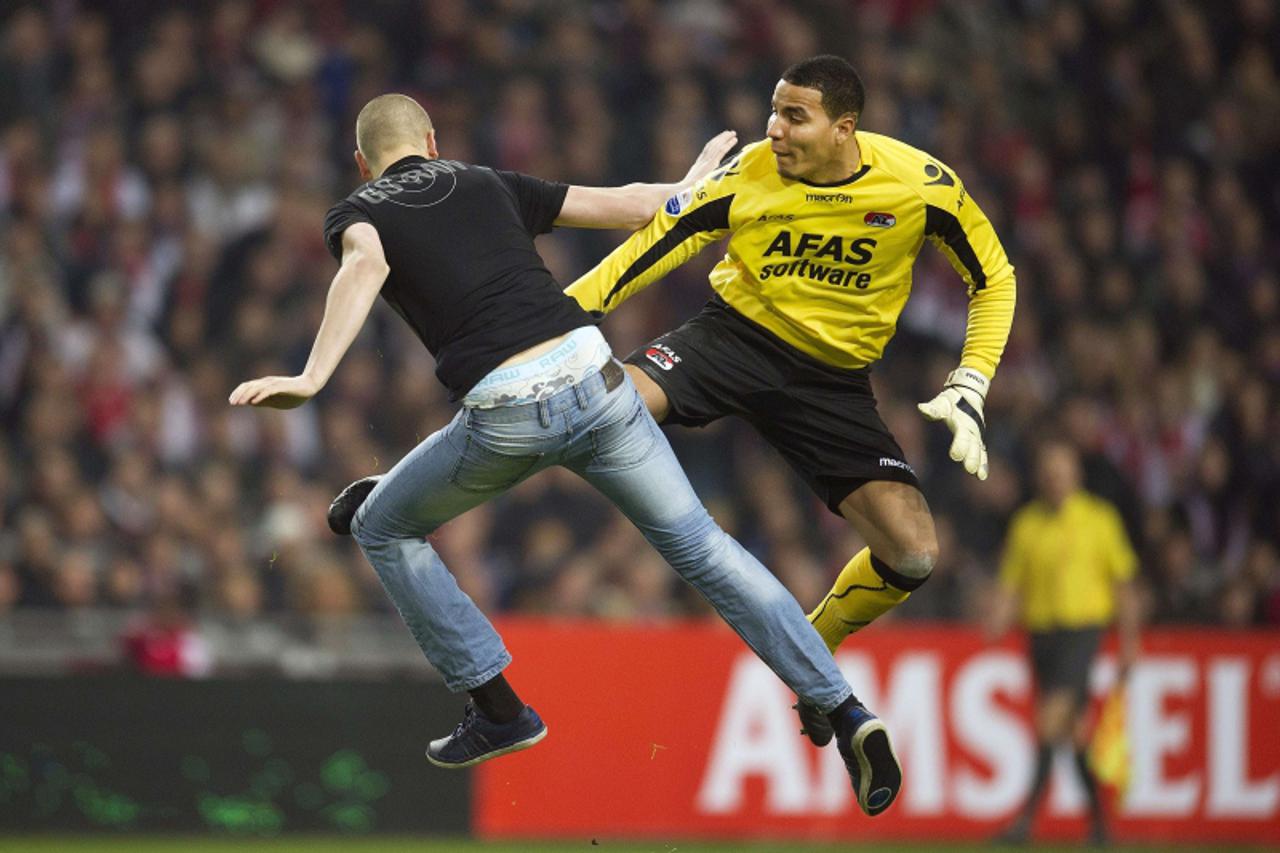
824 222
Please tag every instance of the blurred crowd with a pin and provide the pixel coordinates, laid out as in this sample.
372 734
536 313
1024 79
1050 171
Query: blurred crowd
165 169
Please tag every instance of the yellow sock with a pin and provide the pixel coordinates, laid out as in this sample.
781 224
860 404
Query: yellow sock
858 596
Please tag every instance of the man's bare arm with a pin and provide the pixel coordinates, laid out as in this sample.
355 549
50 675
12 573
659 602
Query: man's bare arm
351 295
1005 604
633 205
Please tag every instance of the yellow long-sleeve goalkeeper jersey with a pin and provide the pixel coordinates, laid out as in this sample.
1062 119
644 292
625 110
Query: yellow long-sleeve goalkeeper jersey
825 268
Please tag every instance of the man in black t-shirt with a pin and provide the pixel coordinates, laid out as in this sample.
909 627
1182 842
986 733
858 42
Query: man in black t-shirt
449 245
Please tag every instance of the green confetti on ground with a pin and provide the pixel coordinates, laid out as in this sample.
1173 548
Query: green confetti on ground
351 817
266 785
195 768
241 814
308 796
14 774
106 807
342 770
257 742
279 767
371 785
95 759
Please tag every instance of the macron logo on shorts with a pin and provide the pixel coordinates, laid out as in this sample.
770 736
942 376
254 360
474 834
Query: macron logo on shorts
886 462
663 356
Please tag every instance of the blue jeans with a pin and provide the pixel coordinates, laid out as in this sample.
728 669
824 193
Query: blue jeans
610 440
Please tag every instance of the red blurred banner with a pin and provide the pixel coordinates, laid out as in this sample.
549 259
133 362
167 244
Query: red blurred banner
679 731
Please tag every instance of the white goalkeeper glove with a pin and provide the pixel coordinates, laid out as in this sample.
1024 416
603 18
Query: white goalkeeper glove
960 406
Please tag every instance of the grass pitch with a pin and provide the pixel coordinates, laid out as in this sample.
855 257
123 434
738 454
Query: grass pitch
201 844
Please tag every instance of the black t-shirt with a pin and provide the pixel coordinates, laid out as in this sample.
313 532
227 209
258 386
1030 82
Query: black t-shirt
464 272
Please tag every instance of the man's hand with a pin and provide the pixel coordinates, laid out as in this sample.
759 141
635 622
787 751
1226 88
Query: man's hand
960 406
1128 621
633 205
712 153
275 392
1002 613
1126 660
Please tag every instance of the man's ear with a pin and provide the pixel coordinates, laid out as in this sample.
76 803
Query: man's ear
845 126
431 145
363 165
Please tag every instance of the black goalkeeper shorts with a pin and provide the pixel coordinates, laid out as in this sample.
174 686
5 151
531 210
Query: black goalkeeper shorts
822 419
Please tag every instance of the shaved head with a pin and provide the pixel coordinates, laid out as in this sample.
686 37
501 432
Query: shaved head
389 122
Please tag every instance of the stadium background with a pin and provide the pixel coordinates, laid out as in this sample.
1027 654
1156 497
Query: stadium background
163 176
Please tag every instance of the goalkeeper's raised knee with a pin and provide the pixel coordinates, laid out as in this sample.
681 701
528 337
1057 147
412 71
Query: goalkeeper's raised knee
867 588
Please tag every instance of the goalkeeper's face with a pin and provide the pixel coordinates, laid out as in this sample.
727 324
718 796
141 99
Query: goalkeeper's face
807 143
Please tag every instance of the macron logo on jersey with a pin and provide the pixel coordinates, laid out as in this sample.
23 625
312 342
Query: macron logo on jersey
678 202
829 198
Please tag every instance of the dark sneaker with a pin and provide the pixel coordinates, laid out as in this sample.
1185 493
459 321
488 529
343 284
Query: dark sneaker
814 724
477 738
864 745
344 506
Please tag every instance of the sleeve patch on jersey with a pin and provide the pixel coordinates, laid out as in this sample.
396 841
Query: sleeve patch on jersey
678 202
